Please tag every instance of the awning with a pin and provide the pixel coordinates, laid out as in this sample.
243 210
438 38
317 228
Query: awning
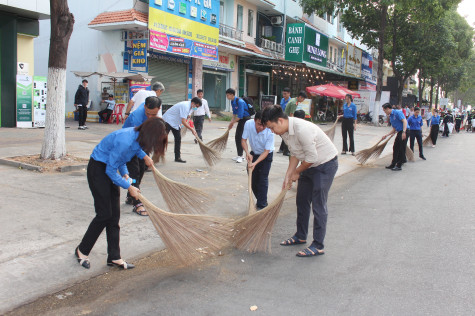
328 70
114 75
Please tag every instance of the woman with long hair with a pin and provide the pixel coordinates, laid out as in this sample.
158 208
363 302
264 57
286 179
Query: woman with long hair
108 157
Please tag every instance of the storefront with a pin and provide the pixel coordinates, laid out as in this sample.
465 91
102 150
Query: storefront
216 79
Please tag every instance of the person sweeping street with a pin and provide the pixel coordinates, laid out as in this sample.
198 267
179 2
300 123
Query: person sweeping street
313 163
106 172
399 124
348 125
415 123
259 158
434 127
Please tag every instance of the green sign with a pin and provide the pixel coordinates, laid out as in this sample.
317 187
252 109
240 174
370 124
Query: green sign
24 101
304 44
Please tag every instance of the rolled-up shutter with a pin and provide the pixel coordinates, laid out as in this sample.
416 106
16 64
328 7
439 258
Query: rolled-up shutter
174 77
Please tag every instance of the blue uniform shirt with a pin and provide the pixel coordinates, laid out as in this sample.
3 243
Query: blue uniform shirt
283 103
258 141
136 118
349 111
239 107
435 120
415 123
115 150
396 118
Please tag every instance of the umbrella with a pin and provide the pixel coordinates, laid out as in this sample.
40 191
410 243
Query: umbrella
330 90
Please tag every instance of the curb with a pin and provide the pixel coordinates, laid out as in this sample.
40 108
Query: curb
72 168
20 165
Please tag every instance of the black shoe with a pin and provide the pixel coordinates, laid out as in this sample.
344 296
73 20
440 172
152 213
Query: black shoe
396 168
422 157
180 160
128 200
390 166
286 154
280 151
196 142
83 262
123 266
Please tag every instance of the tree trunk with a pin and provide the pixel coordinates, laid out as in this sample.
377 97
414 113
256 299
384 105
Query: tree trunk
379 83
436 96
431 92
62 21
420 87
400 88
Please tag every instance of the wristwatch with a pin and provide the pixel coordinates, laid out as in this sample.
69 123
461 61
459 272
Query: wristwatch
128 113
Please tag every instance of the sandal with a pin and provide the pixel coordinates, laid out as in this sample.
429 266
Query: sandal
142 212
293 241
310 252
84 262
124 265
343 152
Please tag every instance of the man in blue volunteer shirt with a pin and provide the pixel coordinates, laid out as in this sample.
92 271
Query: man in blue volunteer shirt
434 127
136 166
259 159
348 125
399 124
240 115
176 118
283 103
415 122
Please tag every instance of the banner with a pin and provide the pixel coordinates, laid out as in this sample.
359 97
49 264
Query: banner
39 101
353 60
138 60
135 86
305 105
24 101
185 27
366 66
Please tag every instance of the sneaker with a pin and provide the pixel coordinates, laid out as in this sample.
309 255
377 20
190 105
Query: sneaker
85 127
236 158
396 168
239 160
81 127
433 146
390 166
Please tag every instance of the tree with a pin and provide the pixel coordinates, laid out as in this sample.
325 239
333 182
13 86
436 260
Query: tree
62 21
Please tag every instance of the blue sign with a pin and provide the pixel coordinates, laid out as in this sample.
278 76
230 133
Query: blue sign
367 66
138 60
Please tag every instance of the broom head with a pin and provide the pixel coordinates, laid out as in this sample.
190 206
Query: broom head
409 154
331 131
181 198
219 144
183 131
190 238
427 141
210 155
371 153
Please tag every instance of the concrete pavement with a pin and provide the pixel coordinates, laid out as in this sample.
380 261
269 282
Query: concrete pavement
44 215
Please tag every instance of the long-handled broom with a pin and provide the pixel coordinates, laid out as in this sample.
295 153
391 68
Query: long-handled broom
252 207
219 144
183 131
372 153
210 155
409 154
189 237
427 141
181 198
253 232
331 131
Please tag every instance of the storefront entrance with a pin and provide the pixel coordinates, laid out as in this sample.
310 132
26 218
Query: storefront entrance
214 86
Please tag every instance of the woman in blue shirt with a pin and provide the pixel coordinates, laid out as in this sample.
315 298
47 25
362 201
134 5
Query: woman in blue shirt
108 157
348 125
414 124
434 127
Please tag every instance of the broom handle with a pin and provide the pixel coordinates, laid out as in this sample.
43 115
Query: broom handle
252 208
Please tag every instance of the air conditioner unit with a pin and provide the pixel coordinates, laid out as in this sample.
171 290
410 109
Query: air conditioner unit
276 20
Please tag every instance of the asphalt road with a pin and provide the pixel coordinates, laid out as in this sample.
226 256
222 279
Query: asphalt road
398 243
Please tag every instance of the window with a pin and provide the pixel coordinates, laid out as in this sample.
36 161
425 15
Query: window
250 22
239 17
331 53
221 12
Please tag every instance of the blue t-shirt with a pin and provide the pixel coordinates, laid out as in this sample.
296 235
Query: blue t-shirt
258 141
435 120
177 112
136 118
283 103
396 118
115 150
415 123
239 107
350 111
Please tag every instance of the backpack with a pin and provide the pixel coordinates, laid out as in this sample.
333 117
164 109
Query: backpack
250 104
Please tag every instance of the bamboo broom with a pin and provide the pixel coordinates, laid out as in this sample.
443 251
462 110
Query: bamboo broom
219 144
210 155
331 131
409 154
252 207
181 198
372 153
183 131
189 237
427 141
253 232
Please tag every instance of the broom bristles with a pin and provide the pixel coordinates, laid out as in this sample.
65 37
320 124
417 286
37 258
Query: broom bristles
183 131
252 207
427 141
190 238
219 144
253 232
210 155
409 154
331 131
371 153
181 198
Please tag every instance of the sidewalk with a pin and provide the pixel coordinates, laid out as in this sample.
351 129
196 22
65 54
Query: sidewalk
44 215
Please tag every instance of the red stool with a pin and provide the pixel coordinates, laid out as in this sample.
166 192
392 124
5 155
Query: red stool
118 109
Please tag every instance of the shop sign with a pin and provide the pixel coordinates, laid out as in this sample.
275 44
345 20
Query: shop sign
304 44
353 85
24 101
39 101
294 42
268 100
367 66
354 58
189 28
138 60
224 62
135 86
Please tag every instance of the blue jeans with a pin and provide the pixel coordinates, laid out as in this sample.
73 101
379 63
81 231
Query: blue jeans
312 193
260 179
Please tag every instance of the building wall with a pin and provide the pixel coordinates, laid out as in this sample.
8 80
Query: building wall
25 52
246 7
40 6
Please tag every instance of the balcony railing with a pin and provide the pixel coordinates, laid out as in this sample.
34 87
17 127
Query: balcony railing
231 32
271 45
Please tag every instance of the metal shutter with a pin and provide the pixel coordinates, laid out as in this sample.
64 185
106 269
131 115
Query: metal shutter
174 77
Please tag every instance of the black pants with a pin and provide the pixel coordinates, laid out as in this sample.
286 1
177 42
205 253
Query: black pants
457 125
312 193
446 130
434 133
260 179
82 115
108 115
198 122
417 134
238 136
107 205
347 127
136 167
399 150
284 148
177 135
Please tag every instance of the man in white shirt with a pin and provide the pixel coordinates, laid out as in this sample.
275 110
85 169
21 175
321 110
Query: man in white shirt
199 114
139 98
259 159
313 163
176 117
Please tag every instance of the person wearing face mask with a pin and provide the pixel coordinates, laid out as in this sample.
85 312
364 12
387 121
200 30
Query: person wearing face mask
136 166
176 118
259 158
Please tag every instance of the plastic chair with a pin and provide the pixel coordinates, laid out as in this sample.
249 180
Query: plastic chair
118 109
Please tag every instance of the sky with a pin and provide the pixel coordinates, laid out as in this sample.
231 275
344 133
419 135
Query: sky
466 9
